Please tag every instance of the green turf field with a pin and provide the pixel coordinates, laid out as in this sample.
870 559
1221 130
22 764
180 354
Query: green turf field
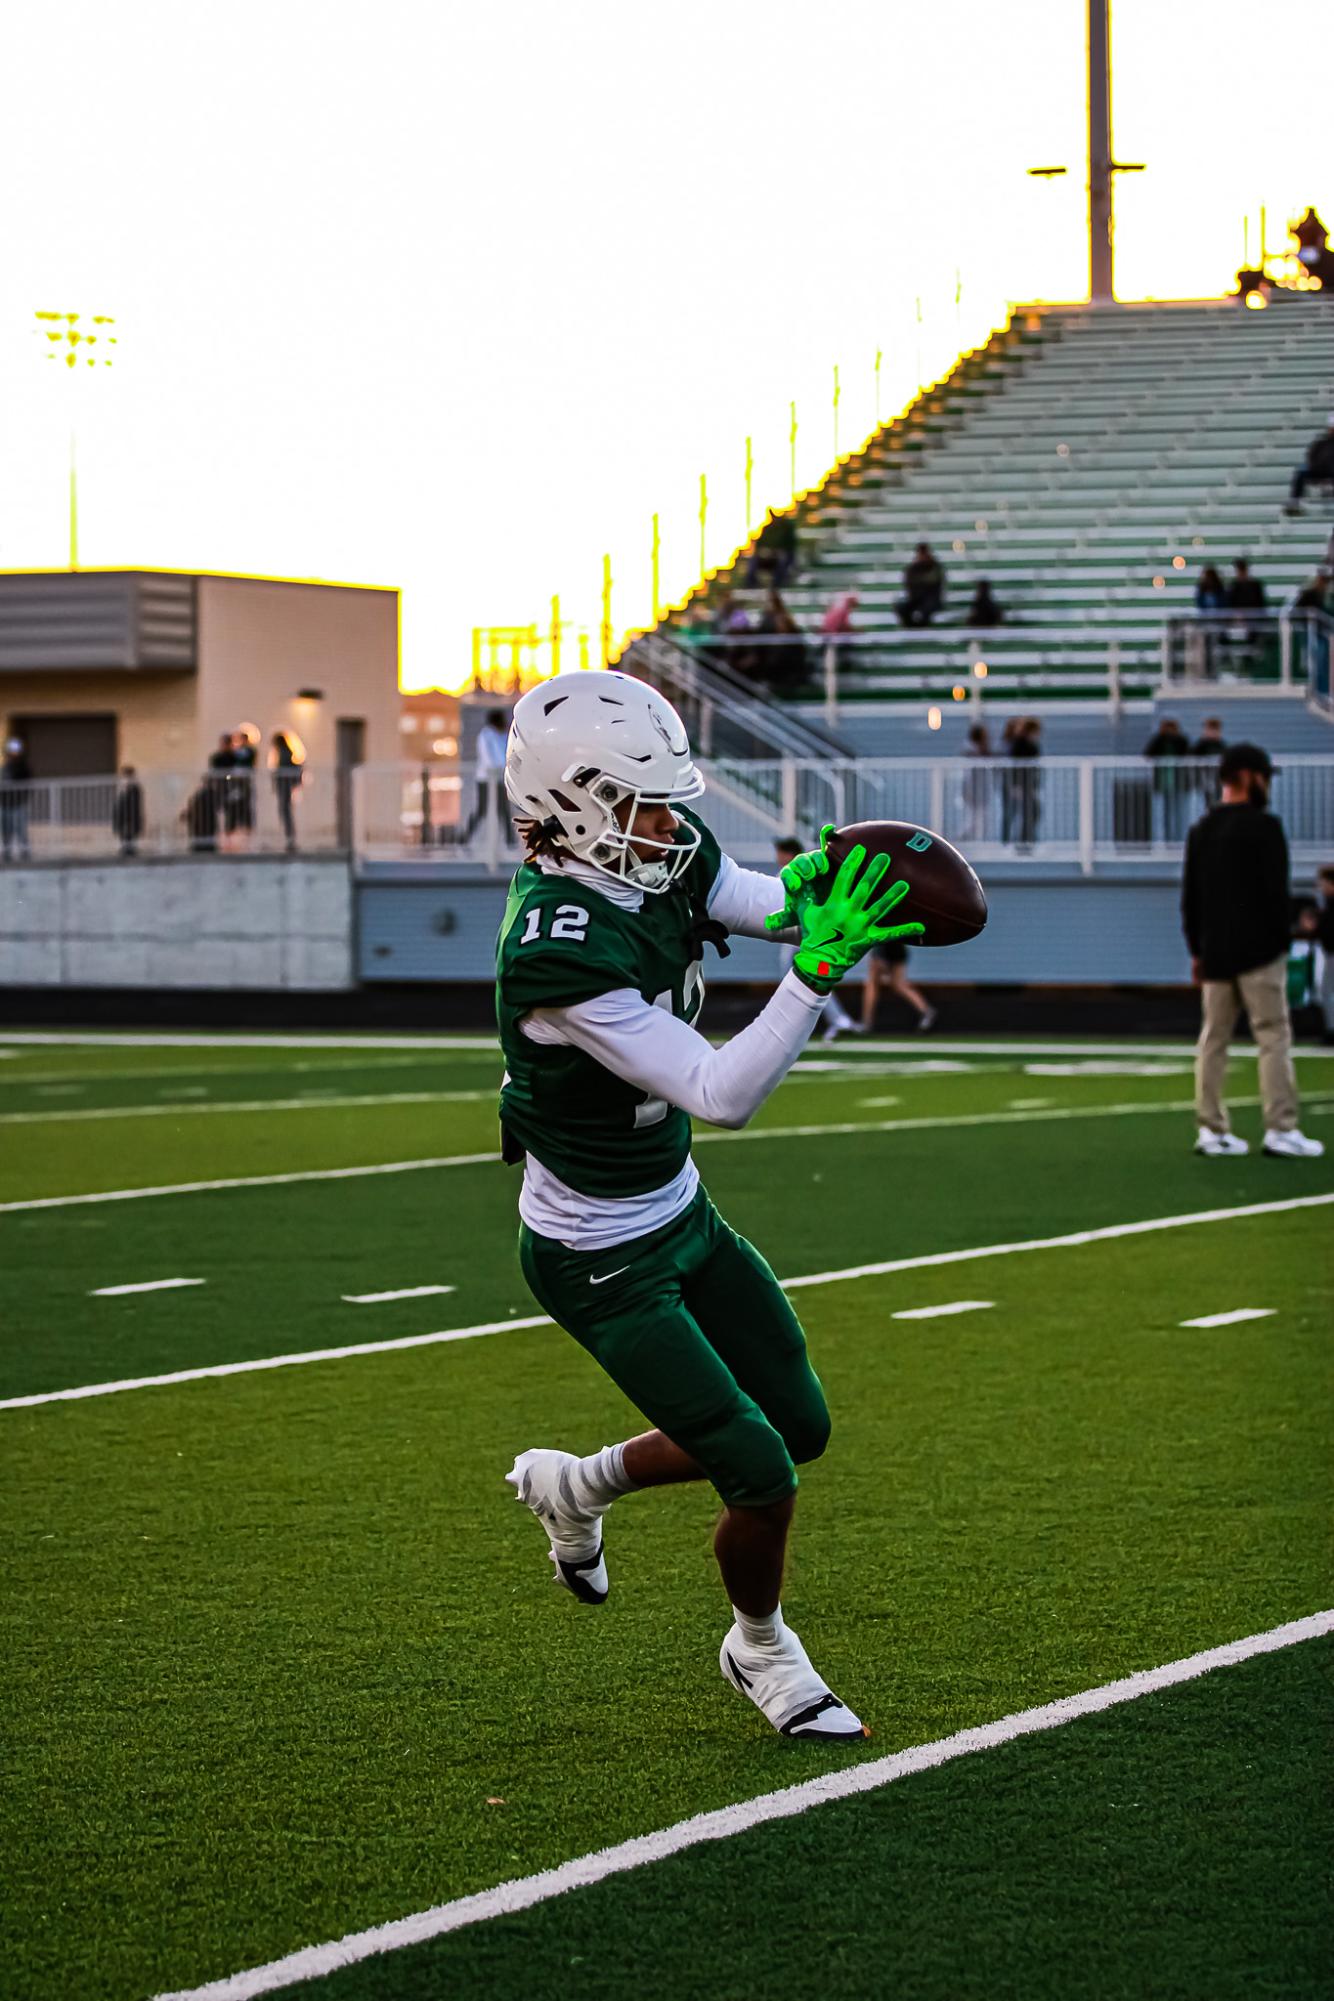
282 1657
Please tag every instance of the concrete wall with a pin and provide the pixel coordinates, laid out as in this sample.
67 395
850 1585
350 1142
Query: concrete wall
259 642
223 921
1064 932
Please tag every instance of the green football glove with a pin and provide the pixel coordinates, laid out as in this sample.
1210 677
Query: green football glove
837 932
796 876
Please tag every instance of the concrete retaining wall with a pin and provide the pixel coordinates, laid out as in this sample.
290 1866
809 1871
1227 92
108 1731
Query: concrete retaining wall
229 922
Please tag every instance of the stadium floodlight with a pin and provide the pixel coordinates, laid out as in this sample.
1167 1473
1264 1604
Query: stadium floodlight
67 335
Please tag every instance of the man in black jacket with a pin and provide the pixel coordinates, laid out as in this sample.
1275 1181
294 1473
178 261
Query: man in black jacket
1234 909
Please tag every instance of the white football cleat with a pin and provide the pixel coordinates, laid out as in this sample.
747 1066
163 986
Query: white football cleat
783 1685
542 1478
1293 1146
1219 1145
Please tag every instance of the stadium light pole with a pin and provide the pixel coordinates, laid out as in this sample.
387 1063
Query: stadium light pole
1102 167
65 337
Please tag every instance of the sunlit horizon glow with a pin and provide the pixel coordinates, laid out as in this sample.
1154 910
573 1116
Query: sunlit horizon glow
458 302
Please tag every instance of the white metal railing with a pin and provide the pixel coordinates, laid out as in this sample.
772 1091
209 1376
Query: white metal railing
1086 811
1274 652
175 813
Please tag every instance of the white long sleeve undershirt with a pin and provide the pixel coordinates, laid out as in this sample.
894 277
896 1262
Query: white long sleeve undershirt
649 1048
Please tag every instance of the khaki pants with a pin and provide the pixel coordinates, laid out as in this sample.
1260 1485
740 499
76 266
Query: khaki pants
1263 994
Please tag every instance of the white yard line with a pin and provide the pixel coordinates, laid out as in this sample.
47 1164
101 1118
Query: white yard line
489 1159
1107 1234
405 1292
724 1823
146 1285
939 1312
310 1101
1231 1319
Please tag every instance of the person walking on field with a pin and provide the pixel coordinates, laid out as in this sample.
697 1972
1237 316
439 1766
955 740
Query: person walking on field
1234 909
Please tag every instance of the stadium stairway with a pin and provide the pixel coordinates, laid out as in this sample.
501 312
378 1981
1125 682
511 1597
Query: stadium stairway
1089 461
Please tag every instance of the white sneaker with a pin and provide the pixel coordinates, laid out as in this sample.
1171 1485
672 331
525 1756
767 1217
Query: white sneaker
542 1478
926 1022
1293 1146
834 1030
781 1682
1217 1145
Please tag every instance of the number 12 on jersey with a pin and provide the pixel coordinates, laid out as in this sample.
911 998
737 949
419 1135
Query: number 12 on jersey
569 925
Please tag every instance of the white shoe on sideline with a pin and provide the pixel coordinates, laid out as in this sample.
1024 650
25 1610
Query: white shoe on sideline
1217 1145
1293 1146
542 1478
783 1685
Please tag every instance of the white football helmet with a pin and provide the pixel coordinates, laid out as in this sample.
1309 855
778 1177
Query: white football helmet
586 743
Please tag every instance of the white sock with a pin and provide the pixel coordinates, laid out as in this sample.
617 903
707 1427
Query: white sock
766 1631
601 1478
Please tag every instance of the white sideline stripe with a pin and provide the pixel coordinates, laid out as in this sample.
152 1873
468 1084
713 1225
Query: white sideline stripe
275 1362
1107 1233
521 1893
903 1045
179 1110
246 1181
700 1139
938 1312
148 1285
1231 1319
405 1292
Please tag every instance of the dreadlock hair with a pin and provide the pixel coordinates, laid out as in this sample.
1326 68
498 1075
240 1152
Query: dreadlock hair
539 839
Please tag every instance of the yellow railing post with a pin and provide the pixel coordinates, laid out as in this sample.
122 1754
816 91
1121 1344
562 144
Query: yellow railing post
477 656
606 610
555 635
583 650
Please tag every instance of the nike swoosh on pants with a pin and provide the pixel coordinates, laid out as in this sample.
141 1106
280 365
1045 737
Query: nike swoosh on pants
595 1279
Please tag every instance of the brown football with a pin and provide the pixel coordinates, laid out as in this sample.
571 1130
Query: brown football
944 893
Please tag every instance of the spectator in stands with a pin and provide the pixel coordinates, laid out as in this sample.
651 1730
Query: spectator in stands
489 773
1166 747
1314 596
1021 798
1210 591
1234 910
775 554
220 767
1318 466
240 804
976 784
1244 593
15 778
834 1016
1209 744
984 610
837 625
127 812
287 776
200 816
923 588
782 658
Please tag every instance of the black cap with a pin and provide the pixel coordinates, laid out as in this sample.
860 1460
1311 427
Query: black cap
1240 758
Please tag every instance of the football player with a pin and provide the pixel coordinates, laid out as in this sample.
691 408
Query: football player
598 990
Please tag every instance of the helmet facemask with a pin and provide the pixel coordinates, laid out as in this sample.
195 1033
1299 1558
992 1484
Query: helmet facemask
610 848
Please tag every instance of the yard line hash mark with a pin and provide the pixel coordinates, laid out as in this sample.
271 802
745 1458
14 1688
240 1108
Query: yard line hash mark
146 1285
1231 1319
523 1892
1106 1234
938 1312
489 1159
404 1292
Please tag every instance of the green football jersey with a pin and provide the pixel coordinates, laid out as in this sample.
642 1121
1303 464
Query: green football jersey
563 942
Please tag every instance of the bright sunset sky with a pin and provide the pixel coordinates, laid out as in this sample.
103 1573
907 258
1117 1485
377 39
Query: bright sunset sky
455 298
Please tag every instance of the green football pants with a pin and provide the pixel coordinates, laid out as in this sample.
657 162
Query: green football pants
692 1325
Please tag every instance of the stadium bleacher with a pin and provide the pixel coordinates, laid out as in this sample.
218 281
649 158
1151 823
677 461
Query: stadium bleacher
1089 461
